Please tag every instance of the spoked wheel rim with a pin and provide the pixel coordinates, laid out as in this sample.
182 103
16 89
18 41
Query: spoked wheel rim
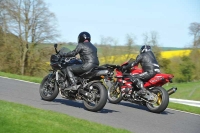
94 97
114 93
157 99
48 89
160 101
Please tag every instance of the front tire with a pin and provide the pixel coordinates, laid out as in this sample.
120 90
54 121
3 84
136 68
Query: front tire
162 100
48 88
101 97
114 94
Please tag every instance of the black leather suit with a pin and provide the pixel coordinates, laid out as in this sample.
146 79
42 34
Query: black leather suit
149 65
88 55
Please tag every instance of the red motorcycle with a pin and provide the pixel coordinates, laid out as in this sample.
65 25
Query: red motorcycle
156 99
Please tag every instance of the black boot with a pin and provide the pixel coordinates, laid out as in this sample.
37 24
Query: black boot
142 92
69 73
73 84
140 85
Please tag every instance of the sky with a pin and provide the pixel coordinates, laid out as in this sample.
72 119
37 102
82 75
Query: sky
117 18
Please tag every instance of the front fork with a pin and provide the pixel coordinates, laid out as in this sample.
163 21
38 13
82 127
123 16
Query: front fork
112 85
52 74
57 76
108 83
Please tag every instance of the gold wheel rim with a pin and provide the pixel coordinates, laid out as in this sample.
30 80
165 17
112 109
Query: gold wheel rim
116 93
159 101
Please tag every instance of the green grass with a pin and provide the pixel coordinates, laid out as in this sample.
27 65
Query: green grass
189 91
17 118
21 77
183 107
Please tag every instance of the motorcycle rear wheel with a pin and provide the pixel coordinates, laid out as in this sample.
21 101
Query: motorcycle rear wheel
162 100
100 93
47 92
114 95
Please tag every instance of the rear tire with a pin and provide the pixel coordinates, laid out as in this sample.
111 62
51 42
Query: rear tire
45 89
102 92
164 100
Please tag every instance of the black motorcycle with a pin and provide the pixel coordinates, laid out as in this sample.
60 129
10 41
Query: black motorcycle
89 87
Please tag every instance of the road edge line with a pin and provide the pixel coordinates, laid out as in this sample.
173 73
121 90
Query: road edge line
184 112
19 80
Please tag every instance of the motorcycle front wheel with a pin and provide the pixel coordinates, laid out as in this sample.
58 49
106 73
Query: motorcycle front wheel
114 94
161 101
98 97
48 88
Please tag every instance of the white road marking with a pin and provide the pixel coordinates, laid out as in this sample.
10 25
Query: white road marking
187 102
19 80
184 112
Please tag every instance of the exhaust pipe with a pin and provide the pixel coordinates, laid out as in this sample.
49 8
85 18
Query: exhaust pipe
172 90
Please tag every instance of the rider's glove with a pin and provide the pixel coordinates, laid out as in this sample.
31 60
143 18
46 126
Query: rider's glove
123 68
61 54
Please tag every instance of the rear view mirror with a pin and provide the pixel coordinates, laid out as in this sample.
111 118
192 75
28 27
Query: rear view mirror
55 45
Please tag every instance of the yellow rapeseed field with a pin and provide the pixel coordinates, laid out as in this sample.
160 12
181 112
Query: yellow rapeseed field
164 54
170 54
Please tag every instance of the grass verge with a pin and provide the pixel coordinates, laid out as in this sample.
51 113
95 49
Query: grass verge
17 118
21 77
183 107
188 90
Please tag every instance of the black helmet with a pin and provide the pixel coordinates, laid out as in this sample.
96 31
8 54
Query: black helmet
84 36
145 48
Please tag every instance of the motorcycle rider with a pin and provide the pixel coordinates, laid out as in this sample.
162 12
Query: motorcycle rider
149 65
88 56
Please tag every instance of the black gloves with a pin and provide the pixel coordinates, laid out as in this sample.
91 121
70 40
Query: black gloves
127 67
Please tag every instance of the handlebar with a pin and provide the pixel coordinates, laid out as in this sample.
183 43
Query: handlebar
55 46
69 58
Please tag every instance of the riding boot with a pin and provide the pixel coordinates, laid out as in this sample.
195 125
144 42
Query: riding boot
70 75
73 84
140 85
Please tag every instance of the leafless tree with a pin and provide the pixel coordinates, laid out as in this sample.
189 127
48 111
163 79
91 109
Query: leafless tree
194 30
152 40
146 38
3 20
155 45
31 21
108 47
131 45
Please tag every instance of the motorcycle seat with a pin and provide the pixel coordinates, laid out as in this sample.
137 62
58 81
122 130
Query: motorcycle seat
93 69
100 68
85 73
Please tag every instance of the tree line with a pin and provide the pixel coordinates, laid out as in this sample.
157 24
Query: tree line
26 24
185 69
23 25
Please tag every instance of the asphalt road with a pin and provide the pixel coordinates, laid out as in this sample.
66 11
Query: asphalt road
124 115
